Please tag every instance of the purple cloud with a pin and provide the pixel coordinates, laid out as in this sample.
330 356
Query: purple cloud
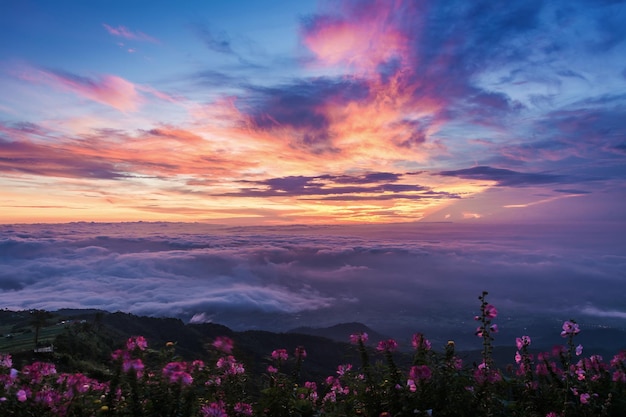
505 177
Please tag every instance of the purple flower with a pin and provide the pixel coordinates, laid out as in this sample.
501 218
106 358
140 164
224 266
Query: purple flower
388 345
420 342
579 350
223 344
522 341
358 337
280 354
215 409
21 395
570 328
490 311
584 398
300 353
136 342
243 408
420 373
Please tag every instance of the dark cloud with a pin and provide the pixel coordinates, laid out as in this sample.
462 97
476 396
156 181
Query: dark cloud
393 277
299 106
342 187
505 177
571 191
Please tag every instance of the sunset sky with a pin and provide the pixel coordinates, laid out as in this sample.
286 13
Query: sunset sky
279 112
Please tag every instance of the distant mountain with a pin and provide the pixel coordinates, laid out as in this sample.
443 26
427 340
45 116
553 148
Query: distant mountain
341 332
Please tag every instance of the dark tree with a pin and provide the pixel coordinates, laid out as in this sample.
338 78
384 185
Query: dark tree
39 319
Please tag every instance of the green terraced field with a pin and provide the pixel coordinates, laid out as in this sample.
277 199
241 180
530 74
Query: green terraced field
21 341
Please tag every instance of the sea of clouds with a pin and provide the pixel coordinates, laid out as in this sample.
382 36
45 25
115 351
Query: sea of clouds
391 277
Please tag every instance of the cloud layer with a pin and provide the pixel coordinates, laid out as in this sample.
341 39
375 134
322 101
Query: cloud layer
394 277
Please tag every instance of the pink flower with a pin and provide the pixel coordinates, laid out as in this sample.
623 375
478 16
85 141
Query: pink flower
518 357
522 341
570 328
420 373
215 409
136 342
6 361
388 345
223 344
619 376
584 398
494 328
177 372
420 342
358 337
300 353
271 369
21 395
280 354
490 311
342 369
411 384
243 408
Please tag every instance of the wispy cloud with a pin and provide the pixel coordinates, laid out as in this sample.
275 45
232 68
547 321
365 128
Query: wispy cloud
505 177
124 32
109 90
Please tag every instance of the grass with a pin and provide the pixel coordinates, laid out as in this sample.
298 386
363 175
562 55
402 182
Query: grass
24 339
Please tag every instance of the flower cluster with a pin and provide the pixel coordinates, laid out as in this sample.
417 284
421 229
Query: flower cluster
557 383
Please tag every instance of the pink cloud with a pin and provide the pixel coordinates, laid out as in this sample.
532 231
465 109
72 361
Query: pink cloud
126 33
106 89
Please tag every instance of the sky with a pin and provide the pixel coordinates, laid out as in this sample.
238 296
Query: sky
330 112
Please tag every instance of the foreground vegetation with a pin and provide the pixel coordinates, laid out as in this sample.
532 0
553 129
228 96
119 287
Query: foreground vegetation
142 381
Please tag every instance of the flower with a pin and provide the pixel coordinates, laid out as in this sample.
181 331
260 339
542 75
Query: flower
215 409
420 373
6 361
388 345
136 342
357 338
342 369
280 354
522 341
584 398
420 342
177 372
490 311
21 395
300 353
494 328
570 327
243 408
579 350
223 344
